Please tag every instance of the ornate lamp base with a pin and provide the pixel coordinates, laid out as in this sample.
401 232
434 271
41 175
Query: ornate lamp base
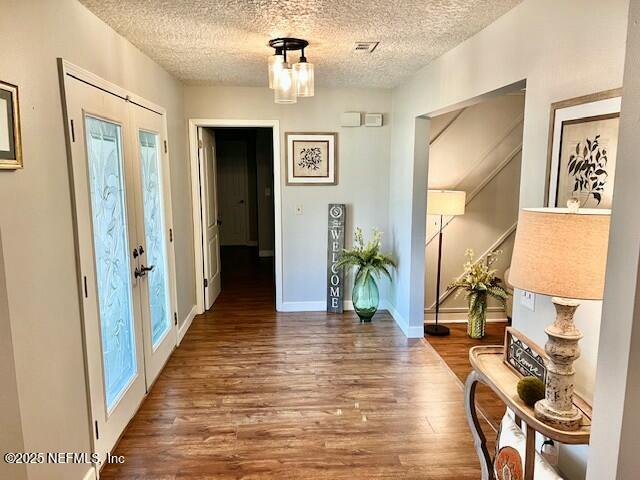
569 420
557 408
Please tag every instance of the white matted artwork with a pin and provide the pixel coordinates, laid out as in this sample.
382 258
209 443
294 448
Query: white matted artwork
311 158
583 144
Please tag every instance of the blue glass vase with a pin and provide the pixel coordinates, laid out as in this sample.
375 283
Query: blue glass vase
365 297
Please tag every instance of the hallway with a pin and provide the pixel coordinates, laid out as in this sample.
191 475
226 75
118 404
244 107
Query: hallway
255 394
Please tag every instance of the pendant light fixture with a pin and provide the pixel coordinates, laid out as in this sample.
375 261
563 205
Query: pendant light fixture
275 65
304 77
286 85
290 81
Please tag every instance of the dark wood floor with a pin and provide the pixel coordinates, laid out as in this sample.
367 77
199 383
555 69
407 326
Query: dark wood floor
251 394
454 350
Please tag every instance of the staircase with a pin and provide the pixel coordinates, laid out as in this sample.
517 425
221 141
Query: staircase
478 150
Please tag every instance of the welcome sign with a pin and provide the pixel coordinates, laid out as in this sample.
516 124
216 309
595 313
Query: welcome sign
335 275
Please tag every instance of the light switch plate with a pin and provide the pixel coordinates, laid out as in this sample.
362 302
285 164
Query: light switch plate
528 300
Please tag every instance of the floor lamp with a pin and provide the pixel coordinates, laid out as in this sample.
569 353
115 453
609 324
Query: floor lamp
442 202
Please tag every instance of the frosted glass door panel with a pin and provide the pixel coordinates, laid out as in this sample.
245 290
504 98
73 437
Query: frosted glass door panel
110 240
154 236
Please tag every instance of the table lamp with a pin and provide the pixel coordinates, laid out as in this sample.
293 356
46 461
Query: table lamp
561 252
442 202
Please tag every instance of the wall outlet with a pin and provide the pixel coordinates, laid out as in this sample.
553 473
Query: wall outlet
298 209
528 300
267 192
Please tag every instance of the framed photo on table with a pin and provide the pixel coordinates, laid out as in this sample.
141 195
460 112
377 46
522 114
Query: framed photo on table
10 142
312 158
583 145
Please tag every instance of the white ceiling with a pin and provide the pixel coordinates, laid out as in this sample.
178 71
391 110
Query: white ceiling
225 41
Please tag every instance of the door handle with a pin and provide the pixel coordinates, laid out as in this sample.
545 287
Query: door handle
142 271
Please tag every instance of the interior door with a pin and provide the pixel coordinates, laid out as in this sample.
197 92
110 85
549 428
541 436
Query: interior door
209 211
106 232
232 176
155 267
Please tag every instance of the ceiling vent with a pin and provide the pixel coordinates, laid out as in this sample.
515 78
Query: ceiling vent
365 47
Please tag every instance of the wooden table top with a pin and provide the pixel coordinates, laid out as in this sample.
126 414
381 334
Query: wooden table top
488 362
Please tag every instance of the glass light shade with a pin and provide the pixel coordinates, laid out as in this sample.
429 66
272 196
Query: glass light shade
445 202
286 85
304 79
275 65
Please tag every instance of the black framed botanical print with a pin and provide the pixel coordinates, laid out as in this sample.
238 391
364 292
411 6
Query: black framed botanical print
311 158
583 144
10 143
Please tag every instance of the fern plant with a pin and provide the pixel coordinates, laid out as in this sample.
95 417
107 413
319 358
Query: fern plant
366 257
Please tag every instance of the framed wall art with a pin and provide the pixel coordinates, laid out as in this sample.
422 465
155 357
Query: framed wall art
10 142
311 158
583 144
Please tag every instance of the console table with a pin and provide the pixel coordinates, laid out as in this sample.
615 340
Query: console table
490 369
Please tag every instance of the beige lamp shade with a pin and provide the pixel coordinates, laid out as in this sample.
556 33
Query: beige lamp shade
560 253
445 202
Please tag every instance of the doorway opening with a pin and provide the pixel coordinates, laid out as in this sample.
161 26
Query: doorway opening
475 150
236 211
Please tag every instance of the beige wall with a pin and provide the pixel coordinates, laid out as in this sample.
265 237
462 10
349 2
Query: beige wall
11 431
35 212
363 163
542 41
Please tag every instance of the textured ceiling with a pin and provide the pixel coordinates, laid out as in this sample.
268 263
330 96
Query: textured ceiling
225 41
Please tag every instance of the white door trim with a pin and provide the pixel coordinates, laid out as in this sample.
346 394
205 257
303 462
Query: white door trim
194 123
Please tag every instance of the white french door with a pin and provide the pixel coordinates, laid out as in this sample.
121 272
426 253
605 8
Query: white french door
125 253
155 264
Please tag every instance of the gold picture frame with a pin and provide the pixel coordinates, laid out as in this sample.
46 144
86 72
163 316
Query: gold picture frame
10 137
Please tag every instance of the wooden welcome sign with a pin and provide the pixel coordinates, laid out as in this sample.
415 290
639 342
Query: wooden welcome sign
335 275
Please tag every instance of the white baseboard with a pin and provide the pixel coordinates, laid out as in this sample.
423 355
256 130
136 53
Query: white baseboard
319 306
184 326
464 320
460 315
265 253
303 306
410 331
90 475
